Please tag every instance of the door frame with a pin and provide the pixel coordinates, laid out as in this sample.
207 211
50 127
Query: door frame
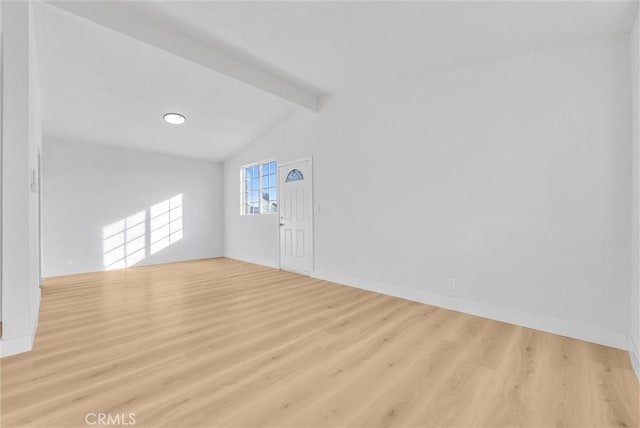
40 227
312 231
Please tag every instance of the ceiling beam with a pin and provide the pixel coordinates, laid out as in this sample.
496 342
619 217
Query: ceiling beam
141 21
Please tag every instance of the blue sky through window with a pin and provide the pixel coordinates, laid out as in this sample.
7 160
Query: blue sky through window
260 189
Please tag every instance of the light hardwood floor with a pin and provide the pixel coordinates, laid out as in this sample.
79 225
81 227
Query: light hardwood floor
222 343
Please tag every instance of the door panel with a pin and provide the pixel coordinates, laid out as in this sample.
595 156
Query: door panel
296 216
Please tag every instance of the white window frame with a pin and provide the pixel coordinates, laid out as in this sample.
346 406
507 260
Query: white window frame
243 202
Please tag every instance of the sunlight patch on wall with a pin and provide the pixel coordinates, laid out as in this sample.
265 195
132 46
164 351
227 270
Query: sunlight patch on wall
128 241
166 223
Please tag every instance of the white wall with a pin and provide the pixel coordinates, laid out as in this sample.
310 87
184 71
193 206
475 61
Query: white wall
1 138
21 139
634 339
510 176
88 187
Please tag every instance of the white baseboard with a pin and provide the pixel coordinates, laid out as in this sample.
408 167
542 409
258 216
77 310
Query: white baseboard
589 333
145 262
17 345
634 354
537 321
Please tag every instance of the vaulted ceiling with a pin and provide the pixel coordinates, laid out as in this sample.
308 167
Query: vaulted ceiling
234 69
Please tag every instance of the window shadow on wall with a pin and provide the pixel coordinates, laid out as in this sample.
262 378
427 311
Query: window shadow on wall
132 239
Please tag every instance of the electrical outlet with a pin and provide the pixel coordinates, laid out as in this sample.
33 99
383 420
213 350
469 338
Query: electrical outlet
451 284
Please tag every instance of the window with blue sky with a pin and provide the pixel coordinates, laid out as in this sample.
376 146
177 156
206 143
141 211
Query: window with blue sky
260 188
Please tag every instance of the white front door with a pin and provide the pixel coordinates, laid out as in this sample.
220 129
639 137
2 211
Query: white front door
296 216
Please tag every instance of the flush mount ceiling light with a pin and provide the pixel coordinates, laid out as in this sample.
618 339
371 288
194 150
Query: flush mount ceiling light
174 118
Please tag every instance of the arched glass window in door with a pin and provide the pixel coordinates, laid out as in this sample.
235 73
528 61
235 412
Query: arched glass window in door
294 175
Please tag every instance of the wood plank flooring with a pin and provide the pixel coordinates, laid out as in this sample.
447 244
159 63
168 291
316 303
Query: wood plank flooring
221 343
